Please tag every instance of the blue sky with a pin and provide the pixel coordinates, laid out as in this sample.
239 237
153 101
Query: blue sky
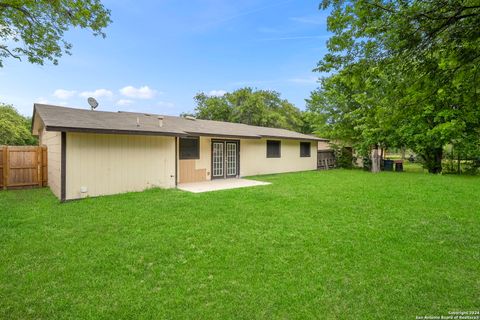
159 54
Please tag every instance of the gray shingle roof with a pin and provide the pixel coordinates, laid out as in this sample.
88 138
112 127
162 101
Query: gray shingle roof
57 118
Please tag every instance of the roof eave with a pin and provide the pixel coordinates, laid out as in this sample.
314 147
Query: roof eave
33 119
293 138
222 135
114 131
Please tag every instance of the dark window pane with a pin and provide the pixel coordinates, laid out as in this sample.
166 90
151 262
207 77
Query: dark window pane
189 148
305 149
273 149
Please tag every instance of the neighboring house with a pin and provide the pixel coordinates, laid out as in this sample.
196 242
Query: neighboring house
326 150
325 155
324 145
92 153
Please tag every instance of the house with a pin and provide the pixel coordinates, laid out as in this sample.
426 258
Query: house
327 157
325 145
92 153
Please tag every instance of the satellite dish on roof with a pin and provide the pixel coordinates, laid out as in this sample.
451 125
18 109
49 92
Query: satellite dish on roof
93 103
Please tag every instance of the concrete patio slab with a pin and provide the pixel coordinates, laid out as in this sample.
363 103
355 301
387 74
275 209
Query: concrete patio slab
220 184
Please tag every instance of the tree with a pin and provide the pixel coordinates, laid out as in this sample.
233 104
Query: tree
212 108
14 128
35 28
254 107
406 74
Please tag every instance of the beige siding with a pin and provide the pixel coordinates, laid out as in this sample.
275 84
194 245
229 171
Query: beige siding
322 145
110 164
204 163
253 157
205 155
254 161
53 141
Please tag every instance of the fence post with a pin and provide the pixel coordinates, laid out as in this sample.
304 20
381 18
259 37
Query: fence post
5 167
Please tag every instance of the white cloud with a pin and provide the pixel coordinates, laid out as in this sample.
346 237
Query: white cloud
307 80
217 93
144 92
99 93
254 83
317 20
124 102
64 94
41 100
294 38
166 104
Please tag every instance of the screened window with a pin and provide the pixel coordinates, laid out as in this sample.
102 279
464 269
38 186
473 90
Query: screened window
189 148
273 149
305 149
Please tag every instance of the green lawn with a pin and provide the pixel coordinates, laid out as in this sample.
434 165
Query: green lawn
328 245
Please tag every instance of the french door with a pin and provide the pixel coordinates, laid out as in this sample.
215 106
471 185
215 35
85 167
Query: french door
225 159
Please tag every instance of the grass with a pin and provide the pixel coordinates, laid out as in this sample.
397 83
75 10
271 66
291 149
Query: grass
329 245
413 167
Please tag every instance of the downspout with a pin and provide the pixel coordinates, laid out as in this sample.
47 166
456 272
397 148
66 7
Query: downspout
176 161
63 167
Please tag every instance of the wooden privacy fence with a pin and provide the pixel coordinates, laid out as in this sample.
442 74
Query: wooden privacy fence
326 160
23 167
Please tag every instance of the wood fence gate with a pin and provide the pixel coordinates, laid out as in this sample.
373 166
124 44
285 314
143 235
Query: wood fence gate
23 167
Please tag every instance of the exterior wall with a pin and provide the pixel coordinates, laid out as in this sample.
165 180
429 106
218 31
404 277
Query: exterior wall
202 166
53 141
205 161
253 157
322 145
254 161
109 164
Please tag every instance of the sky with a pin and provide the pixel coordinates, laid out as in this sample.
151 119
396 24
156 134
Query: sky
158 54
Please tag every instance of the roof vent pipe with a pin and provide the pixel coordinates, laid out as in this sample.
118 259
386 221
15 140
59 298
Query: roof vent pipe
160 121
138 122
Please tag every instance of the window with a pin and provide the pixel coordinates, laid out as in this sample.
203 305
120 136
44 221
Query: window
305 149
273 149
189 148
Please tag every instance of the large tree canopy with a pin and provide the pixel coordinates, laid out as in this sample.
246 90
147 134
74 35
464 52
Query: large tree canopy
14 128
34 28
405 73
254 107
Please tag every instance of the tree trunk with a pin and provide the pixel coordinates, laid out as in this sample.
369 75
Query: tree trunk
452 158
433 160
375 161
404 150
459 168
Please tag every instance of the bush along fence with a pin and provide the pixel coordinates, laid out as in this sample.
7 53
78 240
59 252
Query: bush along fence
23 167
